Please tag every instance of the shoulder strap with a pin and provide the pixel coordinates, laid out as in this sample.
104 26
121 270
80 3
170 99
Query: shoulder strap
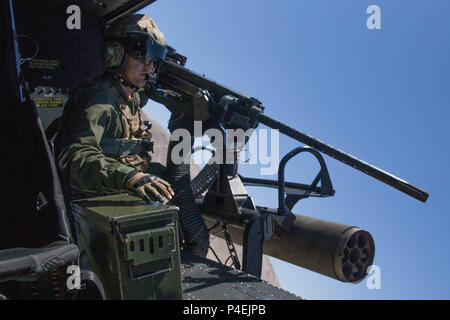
114 146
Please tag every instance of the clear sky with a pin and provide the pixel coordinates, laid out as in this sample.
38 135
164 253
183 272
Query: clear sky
380 95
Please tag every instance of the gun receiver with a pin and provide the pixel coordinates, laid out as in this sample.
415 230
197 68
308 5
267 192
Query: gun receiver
174 76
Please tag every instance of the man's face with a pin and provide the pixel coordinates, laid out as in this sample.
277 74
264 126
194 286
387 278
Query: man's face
136 71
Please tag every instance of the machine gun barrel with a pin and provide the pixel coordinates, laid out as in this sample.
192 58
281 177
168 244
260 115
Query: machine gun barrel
176 77
346 158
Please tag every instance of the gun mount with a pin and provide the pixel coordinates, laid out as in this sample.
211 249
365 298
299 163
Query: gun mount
340 251
243 111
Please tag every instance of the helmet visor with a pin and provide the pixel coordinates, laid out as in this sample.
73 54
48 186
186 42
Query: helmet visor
143 48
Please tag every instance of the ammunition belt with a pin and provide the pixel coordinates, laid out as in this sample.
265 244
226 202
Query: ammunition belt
204 179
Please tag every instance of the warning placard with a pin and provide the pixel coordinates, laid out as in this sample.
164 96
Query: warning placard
48 101
43 64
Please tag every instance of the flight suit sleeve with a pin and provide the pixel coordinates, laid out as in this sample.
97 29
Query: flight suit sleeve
82 159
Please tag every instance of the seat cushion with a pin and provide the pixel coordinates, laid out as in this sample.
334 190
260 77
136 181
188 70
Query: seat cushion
25 264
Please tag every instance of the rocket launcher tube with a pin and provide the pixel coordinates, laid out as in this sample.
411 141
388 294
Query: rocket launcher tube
333 249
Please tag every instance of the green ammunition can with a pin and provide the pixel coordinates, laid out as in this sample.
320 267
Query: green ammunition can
132 246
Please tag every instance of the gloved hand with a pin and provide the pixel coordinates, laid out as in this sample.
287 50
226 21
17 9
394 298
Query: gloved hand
148 187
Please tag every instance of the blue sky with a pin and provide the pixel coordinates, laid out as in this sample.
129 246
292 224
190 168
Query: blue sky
380 95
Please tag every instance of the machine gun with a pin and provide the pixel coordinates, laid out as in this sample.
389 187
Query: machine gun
340 251
130 249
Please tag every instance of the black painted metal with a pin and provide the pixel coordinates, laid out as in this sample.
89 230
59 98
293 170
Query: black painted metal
253 247
204 279
252 108
326 188
346 158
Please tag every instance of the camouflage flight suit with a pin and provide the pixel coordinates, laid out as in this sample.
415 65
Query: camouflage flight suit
101 138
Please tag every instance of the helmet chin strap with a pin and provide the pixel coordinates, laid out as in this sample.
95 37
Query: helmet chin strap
123 80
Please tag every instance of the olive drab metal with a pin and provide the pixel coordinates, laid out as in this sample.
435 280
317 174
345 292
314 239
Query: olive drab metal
127 248
132 246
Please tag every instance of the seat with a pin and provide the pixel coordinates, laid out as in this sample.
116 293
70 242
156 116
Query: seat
35 238
26 264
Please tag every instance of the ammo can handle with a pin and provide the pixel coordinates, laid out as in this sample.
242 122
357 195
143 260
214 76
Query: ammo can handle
150 274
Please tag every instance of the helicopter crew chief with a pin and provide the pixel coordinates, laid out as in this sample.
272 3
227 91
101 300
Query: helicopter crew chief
103 144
